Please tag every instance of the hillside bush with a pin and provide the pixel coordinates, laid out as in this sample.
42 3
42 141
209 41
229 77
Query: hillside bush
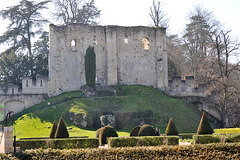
171 128
204 125
61 131
90 66
105 133
53 130
146 130
135 131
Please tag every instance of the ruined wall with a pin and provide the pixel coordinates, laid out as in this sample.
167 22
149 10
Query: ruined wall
9 90
124 55
20 102
140 57
38 86
186 86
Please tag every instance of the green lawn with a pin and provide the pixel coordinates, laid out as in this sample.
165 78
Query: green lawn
37 120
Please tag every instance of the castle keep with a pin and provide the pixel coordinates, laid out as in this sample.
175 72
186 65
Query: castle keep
124 55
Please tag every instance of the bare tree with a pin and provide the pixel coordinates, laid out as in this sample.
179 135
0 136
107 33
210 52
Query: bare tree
221 75
176 61
201 23
76 11
158 16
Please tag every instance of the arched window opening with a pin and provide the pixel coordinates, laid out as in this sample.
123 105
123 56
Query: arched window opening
145 43
95 41
73 44
126 41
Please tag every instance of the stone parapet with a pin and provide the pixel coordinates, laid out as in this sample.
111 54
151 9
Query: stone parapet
186 86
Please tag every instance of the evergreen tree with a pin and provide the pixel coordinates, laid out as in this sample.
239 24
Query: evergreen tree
201 23
13 67
90 67
25 24
40 55
204 125
61 131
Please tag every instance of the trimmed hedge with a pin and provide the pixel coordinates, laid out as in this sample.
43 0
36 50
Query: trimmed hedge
229 137
186 135
212 151
216 138
144 141
233 137
63 143
227 130
205 139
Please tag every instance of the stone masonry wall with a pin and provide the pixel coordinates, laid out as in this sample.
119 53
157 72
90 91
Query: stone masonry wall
186 87
124 55
38 86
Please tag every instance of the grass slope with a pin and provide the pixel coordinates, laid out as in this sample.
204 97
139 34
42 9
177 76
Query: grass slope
37 120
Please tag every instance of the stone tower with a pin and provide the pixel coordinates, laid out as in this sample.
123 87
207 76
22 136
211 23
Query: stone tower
124 55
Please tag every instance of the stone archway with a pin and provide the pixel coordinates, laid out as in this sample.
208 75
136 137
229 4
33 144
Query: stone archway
15 105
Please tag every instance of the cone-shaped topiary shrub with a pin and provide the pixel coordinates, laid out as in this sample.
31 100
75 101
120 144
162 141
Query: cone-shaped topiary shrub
204 125
146 130
53 130
61 131
135 131
171 128
97 133
105 132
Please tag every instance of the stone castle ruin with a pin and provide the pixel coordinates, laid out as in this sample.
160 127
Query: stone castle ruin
124 55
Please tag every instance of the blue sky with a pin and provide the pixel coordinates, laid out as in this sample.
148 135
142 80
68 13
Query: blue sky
136 12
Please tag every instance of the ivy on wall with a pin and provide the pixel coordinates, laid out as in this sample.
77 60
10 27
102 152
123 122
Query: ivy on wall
90 66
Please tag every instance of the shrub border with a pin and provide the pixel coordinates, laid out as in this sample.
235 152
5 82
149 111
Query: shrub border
143 141
216 138
59 143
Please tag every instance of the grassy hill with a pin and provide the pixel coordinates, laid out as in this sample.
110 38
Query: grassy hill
37 120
